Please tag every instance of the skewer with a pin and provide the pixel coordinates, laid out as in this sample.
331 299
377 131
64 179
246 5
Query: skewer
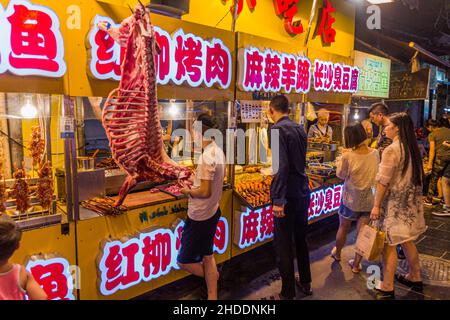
132 11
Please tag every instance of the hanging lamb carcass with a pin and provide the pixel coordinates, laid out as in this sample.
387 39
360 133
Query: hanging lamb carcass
130 116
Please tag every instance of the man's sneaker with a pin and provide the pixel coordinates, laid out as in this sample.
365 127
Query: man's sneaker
442 213
427 202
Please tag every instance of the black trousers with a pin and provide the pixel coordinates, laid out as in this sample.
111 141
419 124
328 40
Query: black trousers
292 227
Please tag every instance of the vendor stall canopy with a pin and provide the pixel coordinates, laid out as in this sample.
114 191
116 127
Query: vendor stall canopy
407 27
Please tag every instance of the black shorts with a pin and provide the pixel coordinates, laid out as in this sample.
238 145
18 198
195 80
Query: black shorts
197 239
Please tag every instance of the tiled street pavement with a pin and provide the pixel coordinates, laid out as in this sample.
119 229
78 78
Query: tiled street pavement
254 275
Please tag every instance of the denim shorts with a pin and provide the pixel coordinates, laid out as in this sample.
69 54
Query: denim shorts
351 215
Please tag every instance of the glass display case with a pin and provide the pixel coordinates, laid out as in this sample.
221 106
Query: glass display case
30 153
100 178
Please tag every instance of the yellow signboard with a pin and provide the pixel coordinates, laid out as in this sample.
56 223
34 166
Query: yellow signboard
263 21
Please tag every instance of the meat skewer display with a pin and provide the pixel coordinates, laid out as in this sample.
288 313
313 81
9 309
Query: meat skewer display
130 116
45 186
37 145
20 191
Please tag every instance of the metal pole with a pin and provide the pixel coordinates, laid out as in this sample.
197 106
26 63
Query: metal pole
311 20
233 26
379 51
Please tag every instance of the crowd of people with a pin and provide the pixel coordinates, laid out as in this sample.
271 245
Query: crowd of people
382 185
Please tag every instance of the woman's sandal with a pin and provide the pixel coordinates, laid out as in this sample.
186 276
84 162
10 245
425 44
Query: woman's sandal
351 263
334 256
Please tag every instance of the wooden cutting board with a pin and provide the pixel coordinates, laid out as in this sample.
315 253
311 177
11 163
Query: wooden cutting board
144 199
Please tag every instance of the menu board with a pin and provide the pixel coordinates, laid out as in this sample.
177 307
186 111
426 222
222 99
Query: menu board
374 75
253 111
410 86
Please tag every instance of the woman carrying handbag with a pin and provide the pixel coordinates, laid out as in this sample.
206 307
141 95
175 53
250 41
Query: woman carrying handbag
398 204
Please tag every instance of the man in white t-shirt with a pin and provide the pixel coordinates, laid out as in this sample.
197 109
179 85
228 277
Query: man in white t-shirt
197 239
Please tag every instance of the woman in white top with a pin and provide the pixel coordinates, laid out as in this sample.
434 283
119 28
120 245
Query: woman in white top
358 168
398 204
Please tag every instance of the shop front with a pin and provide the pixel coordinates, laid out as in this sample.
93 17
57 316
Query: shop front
76 243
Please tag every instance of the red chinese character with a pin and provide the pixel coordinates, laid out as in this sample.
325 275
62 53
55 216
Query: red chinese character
109 55
320 202
337 197
218 64
162 60
312 205
326 24
157 251
288 8
266 223
346 78
34 44
354 80
221 236
329 76
113 266
178 232
52 277
272 72
323 75
249 228
329 200
129 252
253 69
189 59
337 83
250 3
303 75
288 73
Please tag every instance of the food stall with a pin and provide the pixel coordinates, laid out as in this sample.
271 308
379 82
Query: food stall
286 70
33 79
74 243
127 251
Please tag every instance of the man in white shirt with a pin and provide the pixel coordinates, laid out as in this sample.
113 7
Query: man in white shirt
197 239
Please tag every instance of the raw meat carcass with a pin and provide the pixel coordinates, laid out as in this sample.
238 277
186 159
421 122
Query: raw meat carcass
45 186
130 116
20 191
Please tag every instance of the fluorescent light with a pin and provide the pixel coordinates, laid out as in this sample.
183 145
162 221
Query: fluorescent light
28 111
379 1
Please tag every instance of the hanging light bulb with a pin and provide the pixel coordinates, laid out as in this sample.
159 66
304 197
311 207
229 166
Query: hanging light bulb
356 115
173 108
28 111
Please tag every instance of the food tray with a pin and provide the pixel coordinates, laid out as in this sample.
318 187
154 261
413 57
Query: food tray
176 196
242 199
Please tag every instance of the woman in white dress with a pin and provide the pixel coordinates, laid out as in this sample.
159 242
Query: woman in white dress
398 203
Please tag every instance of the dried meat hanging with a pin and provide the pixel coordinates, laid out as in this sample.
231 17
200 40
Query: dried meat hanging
130 116
45 186
37 147
20 191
